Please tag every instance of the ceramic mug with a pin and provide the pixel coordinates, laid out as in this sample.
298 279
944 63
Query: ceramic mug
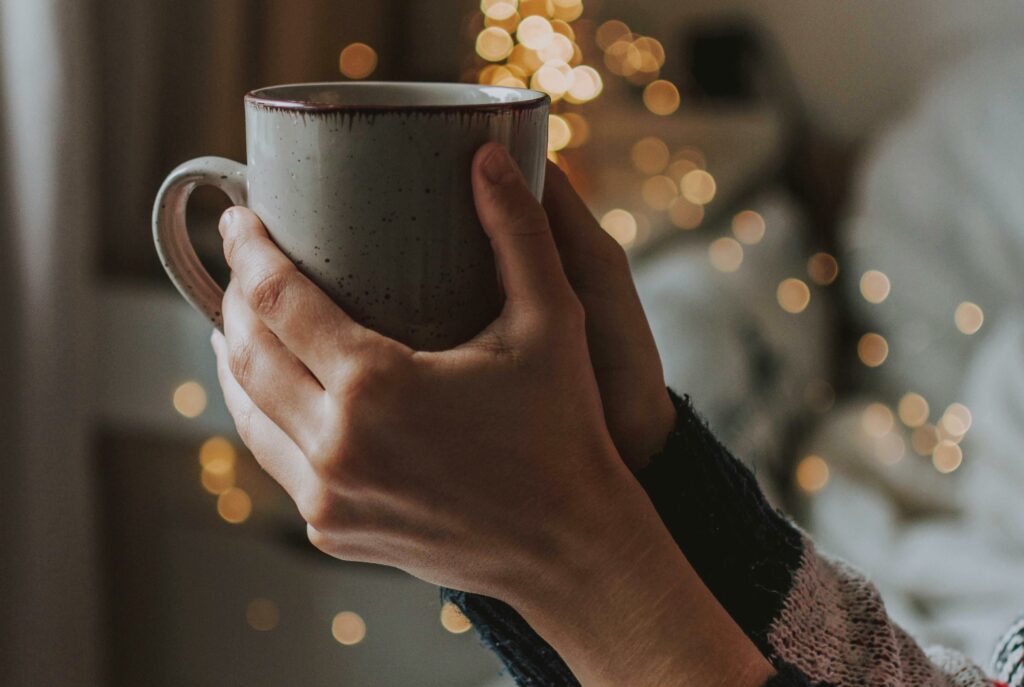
366 188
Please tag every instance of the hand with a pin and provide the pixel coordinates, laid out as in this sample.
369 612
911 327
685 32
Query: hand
488 467
626 363
479 467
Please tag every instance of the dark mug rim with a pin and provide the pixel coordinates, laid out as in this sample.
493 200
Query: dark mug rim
275 97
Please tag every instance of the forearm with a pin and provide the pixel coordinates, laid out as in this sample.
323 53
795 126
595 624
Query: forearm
816 620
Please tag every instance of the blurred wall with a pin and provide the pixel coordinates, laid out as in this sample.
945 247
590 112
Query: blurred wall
855 63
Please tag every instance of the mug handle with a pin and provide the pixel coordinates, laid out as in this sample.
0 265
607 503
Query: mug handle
170 233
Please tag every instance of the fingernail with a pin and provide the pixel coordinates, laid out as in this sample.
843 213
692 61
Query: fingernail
227 219
497 166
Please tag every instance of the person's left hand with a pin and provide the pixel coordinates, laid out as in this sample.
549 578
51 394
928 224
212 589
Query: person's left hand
474 467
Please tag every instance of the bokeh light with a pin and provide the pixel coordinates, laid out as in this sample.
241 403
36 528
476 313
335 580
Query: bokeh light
748 227
262 615
357 61
348 628
913 410
947 457
969 317
812 474
872 349
661 97
890 448
822 268
659 191
217 482
650 155
234 506
535 32
956 420
189 399
685 214
453 620
559 132
558 48
793 295
218 455
620 225
552 78
610 32
586 85
726 254
494 44
698 187
874 286
924 440
877 420
579 127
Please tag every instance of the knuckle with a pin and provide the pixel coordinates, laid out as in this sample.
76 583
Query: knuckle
241 360
373 378
267 291
318 539
318 508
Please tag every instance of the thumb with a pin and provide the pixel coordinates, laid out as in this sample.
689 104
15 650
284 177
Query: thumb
531 271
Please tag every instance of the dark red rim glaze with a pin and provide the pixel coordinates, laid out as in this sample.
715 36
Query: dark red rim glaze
254 98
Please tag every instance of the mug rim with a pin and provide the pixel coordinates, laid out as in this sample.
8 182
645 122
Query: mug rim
529 98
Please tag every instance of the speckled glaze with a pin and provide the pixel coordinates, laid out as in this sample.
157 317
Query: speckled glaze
366 187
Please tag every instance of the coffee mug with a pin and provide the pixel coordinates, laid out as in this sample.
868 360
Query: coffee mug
366 188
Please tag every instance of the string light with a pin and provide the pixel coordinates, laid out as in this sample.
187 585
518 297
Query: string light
621 225
726 254
969 317
822 268
872 349
348 628
262 615
793 295
748 227
453 620
812 474
189 399
357 61
874 286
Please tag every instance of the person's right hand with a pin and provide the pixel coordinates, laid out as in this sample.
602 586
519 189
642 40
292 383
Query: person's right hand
637 408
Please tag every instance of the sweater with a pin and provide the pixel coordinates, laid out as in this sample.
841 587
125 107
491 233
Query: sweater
816 619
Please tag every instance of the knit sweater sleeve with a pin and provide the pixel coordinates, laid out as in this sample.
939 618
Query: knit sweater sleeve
816 619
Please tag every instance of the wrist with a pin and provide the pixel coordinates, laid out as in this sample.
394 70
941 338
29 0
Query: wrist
644 434
622 605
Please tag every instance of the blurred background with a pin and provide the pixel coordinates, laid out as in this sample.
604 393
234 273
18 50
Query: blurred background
824 208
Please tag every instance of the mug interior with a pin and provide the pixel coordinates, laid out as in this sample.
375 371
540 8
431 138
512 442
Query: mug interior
376 95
